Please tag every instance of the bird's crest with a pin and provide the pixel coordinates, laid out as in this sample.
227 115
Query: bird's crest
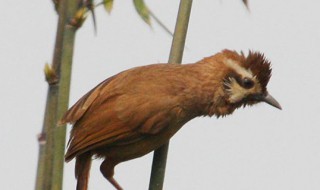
249 75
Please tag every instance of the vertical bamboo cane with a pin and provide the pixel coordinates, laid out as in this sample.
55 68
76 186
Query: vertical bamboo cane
63 92
176 53
52 139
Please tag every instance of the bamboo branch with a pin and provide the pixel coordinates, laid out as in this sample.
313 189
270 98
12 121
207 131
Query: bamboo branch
45 160
52 139
64 88
46 141
176 53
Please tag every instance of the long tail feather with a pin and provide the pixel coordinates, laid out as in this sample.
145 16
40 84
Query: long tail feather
82 170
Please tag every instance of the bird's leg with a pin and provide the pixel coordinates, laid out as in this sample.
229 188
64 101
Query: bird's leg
107 169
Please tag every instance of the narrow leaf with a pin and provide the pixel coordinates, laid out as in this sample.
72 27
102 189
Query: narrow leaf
108 4
245 2
142 10
161 24
90 6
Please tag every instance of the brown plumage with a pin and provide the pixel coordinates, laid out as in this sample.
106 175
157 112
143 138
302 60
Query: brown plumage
138 110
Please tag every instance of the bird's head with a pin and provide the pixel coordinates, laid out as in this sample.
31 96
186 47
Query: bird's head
246 79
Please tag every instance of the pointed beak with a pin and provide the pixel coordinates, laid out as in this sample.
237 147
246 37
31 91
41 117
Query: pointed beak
271 101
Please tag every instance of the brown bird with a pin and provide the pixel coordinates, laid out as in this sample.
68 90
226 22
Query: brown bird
138 110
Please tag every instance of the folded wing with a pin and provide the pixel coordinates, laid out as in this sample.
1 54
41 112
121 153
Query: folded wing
110 115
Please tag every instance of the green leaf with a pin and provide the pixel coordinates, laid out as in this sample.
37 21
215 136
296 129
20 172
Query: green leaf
142 10
108 4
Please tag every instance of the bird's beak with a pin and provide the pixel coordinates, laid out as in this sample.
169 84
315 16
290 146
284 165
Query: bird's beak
270 100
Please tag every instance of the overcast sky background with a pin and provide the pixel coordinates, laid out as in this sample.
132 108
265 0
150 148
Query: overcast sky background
256 148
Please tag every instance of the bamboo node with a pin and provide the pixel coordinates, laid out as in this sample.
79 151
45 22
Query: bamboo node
79 17
50 74
42 138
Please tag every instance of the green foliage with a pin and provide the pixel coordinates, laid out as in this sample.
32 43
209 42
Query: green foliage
142 10
108 4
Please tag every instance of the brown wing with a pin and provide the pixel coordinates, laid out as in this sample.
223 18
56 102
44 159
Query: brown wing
82 105
113 114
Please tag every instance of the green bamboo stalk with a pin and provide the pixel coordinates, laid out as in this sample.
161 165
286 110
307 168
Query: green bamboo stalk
176 53
45 160
64 70
63 101
51 140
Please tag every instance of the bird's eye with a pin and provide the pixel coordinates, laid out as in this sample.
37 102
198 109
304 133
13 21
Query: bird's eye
247 83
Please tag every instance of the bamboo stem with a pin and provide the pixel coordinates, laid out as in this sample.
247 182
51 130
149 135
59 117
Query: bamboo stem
63 92
45 142
176 53
45 160
52 139
180 32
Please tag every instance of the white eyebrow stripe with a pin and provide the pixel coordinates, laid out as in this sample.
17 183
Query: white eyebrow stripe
237 68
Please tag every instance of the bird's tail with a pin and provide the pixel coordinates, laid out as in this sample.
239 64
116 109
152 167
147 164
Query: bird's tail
82 170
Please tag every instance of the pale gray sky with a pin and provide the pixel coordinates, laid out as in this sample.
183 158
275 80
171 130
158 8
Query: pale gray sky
255 148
